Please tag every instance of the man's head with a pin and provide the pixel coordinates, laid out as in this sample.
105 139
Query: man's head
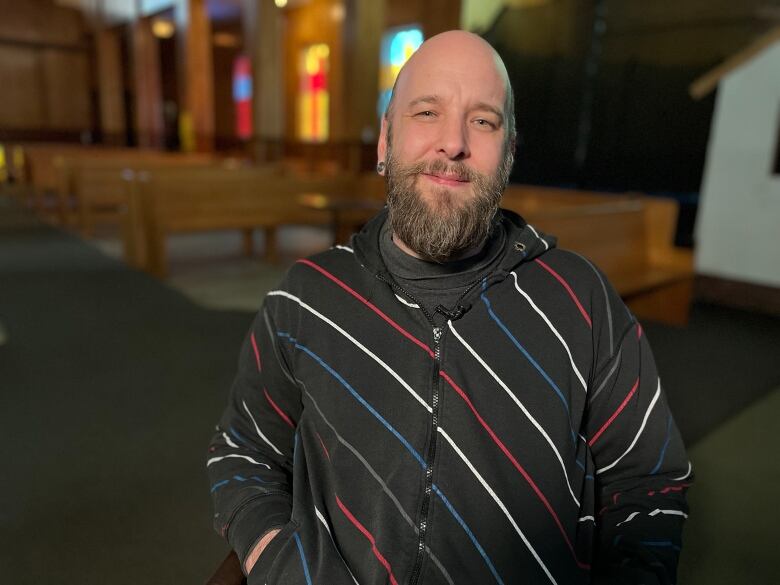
447 141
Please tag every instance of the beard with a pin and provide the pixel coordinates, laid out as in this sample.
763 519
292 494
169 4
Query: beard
449 223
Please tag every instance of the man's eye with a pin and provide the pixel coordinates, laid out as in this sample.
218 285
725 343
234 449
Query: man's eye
426 114
485 123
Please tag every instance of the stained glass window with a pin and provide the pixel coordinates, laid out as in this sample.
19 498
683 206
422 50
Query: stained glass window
313 94
398 44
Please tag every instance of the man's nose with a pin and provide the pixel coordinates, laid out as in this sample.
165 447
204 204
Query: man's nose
453 141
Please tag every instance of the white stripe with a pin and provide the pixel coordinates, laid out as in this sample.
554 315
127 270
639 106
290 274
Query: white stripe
497 501
216 459
229 441
669 512
687 473
546 245
407 303
259 432
325 524
639 432
520 404
631 516
345 248
554 330
364 349
586 518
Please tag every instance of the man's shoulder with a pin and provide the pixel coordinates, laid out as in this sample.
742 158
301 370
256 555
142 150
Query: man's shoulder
335 263
573 268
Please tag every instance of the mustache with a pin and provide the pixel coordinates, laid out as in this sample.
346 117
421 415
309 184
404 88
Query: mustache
458 170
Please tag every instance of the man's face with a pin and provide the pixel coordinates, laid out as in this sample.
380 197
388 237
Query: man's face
447 156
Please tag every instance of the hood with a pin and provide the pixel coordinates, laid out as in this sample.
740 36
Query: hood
523 243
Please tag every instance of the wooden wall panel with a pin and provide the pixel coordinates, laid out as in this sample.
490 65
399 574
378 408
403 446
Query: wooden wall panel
21 83
66 99
40 21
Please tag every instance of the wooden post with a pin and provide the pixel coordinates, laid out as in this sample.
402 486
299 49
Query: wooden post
148 85
263 44
110 88
196 76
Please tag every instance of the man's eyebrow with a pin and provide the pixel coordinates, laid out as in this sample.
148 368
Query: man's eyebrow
424 99
489 108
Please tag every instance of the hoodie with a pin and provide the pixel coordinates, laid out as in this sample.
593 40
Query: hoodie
526 440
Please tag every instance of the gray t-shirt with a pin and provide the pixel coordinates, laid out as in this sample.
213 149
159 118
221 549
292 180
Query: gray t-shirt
433 284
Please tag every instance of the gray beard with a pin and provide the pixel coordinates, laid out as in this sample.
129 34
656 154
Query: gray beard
445 227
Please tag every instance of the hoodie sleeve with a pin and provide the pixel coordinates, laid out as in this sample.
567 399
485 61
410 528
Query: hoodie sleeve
250 457
641 467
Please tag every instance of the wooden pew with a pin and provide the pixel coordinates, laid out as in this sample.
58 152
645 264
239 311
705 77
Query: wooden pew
165 202
95 187
629 237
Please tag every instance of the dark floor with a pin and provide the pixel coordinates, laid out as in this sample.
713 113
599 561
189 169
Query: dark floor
110 384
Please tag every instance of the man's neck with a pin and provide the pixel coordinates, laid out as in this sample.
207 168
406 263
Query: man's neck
460 256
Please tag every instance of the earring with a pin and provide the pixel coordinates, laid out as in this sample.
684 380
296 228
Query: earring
380 168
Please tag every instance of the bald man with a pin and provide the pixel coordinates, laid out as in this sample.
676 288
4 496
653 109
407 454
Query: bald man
450 398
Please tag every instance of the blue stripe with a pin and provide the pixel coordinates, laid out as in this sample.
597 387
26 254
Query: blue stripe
469 533
238 437
219 484
303 558
663 449
359 398
528 356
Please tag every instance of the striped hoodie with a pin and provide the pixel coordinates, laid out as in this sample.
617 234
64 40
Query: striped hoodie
526 441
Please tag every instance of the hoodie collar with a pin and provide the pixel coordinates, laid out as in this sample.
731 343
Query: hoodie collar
523 243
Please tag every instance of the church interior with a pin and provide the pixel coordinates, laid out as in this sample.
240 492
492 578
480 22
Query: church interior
163 162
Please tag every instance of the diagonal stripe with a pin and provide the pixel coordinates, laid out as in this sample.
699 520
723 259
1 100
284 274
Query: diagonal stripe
370 305
361 400
612 370
538 237
324 522
668 512
606 301
498 502
687 473
615 414
380 481
630 517
468 532
257 352
517 466
278 410
360 346
569 290
553 329
236 456
370 537
527 355
259 432
663 449
305 565
520 405
638 434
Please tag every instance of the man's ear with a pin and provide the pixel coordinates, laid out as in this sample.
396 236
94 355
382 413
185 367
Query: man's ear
381 146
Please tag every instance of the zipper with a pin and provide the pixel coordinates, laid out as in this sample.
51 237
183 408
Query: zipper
422 525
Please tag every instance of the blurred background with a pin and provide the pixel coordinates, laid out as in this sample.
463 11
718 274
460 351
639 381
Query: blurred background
162 162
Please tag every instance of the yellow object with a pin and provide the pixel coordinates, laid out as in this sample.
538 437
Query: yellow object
4 175
186 132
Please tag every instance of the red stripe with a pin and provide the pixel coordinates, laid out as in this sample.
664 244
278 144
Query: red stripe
278 410
517 466
257 352
370 538
638 330
614 414
324 448
370 305
565 284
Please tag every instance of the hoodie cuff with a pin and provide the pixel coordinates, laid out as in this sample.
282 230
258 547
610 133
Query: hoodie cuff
257 518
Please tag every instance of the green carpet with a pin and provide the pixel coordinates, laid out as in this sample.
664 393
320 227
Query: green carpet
730 537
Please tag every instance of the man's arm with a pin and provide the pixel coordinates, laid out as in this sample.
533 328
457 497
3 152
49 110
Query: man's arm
642 470
250 457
